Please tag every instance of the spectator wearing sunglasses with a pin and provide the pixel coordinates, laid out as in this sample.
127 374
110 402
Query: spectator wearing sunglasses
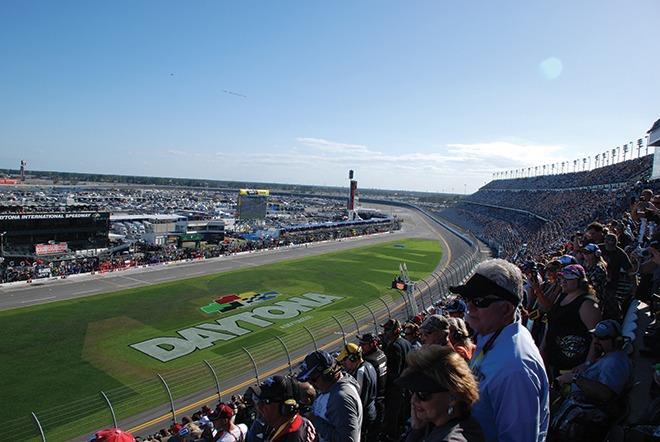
513 400
443 392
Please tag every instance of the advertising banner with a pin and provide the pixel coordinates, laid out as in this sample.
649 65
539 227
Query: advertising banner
50 249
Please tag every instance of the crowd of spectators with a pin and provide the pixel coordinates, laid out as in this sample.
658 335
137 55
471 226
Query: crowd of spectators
597 251
548 218
623 172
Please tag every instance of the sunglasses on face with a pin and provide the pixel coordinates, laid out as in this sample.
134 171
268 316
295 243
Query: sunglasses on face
426 396
423 396
483 302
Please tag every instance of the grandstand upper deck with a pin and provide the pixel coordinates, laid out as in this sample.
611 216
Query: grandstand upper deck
617 174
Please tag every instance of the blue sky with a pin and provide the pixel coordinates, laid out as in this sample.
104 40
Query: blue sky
419 95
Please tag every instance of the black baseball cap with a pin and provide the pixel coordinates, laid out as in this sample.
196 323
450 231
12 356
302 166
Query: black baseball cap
315 362
273 389
479 286
391 325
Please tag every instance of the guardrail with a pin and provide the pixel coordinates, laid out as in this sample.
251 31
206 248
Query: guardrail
189 388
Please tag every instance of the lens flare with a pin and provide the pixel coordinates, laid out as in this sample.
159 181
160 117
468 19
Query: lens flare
551 68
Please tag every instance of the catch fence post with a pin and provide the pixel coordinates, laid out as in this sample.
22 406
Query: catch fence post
373 316
389 312
343 334
421 294
436 278
316 347
454 274
254 364
288 356
404 295
41 430
169 394
357 326
215 377
112 410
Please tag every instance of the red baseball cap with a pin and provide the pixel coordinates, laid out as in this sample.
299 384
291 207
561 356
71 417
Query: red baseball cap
113 435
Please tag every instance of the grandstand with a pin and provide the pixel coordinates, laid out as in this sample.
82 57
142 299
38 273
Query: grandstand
534 215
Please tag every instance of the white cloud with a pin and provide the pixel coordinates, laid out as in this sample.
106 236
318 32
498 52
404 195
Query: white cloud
506 155
322 161
333 146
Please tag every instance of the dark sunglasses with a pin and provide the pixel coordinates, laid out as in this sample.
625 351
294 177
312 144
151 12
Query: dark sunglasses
426 396
483 302
423 396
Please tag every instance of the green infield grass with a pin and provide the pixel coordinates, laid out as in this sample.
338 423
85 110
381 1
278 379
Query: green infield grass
56 354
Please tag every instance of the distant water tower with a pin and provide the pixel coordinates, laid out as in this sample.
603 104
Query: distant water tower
23 166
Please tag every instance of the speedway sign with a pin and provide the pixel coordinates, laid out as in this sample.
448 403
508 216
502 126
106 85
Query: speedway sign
207 334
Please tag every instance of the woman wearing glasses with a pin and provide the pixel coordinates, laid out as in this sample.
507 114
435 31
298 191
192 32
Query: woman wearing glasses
443 391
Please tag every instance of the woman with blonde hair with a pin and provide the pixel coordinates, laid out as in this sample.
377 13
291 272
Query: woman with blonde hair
443 392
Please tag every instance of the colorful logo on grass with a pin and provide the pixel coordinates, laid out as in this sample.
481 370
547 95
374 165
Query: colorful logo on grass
233 301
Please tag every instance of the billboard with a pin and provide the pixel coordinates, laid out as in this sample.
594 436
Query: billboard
34 231
50 249
254 192
252 204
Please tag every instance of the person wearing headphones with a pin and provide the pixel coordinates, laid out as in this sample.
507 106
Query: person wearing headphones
364 373
337 409
374 355
277 402
596 388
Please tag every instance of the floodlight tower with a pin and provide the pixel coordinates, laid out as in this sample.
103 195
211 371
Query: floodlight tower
352 198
